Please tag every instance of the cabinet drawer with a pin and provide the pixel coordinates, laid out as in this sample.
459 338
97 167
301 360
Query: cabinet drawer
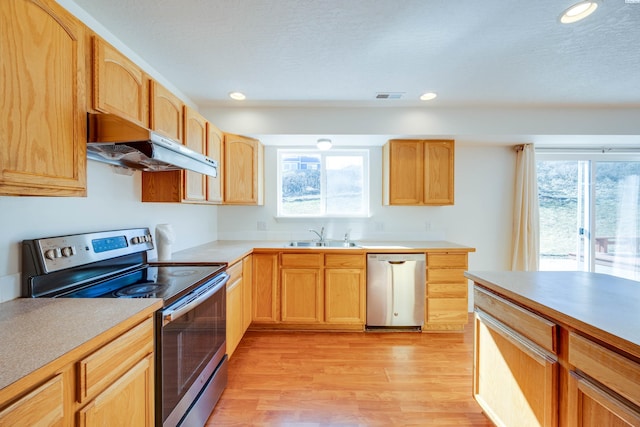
447 310
615 371
43 406
301 260
105 365
344 260
447 260
536 328
447 290
235 272
451 275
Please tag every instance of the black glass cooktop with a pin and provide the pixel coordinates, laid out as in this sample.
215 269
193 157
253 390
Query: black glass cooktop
168 282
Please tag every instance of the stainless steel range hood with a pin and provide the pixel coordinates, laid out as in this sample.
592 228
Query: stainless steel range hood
117 141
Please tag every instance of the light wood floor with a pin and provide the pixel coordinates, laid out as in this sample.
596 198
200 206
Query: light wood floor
350 379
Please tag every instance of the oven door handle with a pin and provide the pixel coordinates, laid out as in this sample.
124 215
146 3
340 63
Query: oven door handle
192 301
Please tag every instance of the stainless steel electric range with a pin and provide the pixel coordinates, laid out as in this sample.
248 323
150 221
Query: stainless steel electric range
190 346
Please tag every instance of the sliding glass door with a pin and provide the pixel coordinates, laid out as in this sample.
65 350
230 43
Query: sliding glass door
589 215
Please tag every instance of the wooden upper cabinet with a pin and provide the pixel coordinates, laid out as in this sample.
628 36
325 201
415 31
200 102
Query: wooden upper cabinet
166 112
195 137
42 108
243 177
418 172
119 86
438 172
215 148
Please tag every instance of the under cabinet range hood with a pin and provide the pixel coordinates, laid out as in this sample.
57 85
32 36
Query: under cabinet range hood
117 141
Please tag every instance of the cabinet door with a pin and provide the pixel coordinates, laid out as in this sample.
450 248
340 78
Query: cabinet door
119 86
43 106
166 117
266 292
514 381
243 180
438 173
44 406
593 406
234 314
406 172
345 295
166 112
302 297
247 271
215 146
128 401
195 137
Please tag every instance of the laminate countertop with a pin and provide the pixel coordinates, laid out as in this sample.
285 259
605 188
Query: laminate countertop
230 251
604 306
35 332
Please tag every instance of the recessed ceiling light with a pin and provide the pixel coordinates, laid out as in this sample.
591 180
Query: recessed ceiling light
578 12
324 144
428 96
238 96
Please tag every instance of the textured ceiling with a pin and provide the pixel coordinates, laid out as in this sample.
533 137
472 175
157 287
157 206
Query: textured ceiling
342 52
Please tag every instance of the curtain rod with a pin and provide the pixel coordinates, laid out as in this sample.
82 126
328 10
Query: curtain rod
588 150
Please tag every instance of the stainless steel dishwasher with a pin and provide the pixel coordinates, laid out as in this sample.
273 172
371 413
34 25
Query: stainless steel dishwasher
395 291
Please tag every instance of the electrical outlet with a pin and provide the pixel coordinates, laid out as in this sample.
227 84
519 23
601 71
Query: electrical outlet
262 226
378 226
427 226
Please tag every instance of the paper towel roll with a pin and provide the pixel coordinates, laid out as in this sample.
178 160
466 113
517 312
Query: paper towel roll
164 239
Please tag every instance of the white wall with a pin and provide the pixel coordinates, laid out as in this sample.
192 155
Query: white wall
481 216
113 202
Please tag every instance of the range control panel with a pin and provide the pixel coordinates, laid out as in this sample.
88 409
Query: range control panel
58 253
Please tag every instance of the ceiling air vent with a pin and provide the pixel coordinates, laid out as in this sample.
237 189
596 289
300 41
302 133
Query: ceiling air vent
389 95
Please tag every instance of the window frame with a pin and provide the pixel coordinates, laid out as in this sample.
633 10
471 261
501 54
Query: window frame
334 152
587 159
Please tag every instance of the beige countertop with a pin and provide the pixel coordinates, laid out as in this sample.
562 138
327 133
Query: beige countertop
36 331
602 305
230 251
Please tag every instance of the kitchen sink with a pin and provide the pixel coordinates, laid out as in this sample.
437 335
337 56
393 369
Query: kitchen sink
325 244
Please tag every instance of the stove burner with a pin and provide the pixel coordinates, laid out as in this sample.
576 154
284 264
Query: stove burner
182 273
144 290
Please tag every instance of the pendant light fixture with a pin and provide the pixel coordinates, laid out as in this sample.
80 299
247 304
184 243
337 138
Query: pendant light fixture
324 144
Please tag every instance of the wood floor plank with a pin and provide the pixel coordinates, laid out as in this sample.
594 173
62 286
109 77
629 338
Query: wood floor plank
350 379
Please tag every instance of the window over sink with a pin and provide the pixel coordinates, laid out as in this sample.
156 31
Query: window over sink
314 183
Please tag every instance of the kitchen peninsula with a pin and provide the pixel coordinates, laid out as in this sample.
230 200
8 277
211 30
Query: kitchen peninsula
557 348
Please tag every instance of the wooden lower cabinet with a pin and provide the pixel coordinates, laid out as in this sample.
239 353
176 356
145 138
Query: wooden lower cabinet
238 302
317 290
128 401
234 308
106 384
247 293
447 300
302 298
515 381
531 370
345 289
301 286
266 292
593 406
44 406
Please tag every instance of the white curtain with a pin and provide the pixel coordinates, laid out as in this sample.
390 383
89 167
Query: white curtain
526 218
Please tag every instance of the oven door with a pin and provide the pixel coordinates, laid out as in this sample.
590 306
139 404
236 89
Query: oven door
190 351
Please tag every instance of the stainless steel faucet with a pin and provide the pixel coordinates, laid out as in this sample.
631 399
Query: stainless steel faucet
320 234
